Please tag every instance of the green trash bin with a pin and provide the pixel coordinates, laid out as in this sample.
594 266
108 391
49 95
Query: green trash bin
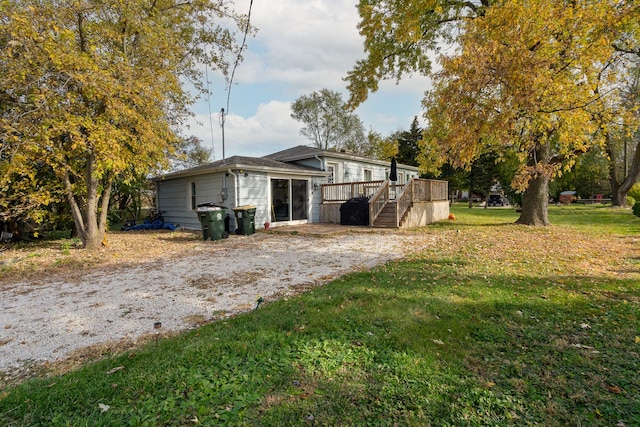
245 218
212 221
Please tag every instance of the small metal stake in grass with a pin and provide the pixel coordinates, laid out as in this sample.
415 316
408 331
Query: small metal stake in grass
259 300
156 326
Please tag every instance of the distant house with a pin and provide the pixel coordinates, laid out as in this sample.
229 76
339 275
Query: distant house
287 187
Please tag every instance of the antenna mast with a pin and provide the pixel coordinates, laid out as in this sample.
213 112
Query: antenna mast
222 114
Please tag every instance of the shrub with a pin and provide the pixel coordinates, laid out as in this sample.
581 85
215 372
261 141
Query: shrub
634 192
631 201
636 209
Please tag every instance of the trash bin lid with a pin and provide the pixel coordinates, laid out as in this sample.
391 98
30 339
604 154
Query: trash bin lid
244 208
208 208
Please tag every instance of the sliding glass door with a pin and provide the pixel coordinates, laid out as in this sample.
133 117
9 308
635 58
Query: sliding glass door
289 199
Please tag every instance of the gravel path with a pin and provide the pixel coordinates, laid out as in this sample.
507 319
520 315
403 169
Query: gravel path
45 322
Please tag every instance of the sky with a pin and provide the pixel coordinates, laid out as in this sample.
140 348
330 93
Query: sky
301 46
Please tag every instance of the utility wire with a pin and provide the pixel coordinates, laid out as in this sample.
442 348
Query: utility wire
244 44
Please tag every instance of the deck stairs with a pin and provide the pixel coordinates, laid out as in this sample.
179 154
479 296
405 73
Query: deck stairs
387 218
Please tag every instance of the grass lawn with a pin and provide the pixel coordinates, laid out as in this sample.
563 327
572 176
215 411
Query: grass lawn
494 324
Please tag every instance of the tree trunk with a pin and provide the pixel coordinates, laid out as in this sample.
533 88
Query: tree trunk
535 199
92 235
619 190
90 222
535 202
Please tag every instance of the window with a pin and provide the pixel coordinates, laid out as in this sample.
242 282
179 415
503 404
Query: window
367 175
332 169
193 195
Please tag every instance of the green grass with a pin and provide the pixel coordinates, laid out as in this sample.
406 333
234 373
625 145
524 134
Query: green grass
595 219
495 324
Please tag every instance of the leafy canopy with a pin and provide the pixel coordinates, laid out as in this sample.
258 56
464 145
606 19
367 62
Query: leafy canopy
528 78
399 37
328 123
93 90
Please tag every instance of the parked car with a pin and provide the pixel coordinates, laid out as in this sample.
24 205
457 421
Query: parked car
497 200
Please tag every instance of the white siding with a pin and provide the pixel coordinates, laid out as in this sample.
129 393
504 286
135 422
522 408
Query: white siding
174 197
254 191
353 171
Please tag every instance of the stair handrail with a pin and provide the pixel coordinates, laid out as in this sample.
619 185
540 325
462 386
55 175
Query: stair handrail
404 201
378 201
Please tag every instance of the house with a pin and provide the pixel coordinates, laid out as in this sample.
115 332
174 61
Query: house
293 186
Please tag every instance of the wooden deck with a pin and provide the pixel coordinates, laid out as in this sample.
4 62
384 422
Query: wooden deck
415 203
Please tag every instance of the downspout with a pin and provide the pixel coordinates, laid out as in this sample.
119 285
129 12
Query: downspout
321 162
237 190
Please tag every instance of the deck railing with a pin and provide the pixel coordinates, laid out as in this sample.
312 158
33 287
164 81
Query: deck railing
378 201
430 190
404 201
342 192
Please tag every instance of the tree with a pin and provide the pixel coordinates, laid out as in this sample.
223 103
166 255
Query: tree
92 90
408 144
525 79
328 123
379 147
532 86
399 37
190 153
622 136
589 176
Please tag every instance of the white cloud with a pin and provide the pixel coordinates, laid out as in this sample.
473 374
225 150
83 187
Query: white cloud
300 42
300 47
271 129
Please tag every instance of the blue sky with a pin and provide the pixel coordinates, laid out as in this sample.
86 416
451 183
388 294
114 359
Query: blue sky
300 47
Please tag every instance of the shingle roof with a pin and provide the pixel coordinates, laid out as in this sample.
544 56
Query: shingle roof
295 153
241 162
305 152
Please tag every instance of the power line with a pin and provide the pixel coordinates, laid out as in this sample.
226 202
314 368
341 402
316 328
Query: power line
244 44
233 72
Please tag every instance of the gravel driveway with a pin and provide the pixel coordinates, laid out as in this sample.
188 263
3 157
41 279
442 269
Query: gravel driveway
46 322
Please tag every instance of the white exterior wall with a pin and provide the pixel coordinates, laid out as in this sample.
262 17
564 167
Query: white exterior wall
254 190
316 198
354 171
174 197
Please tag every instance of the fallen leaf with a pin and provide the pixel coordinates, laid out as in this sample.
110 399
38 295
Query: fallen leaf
114 370
585 326
614 389
437 342
103 407
581 346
